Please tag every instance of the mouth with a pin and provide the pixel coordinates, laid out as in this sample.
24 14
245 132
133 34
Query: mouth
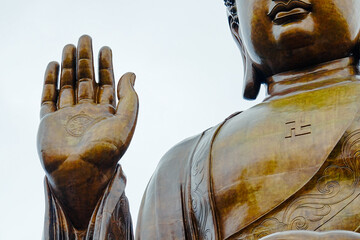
292 11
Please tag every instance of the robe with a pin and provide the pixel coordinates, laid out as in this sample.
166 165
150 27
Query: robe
225 182
110 220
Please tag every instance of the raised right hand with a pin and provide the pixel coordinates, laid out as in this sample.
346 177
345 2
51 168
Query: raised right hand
82 134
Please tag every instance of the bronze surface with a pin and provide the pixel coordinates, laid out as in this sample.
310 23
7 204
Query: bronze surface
83 134
289 163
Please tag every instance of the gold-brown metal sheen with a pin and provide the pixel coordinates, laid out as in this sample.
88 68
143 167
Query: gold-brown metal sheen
82 136
288 168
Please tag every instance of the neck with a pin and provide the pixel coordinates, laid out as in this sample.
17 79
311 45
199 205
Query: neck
320 76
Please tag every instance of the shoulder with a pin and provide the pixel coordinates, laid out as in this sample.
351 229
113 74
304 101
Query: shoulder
175 161
162 203
160 214
181 152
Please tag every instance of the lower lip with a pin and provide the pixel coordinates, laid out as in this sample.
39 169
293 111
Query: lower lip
293 15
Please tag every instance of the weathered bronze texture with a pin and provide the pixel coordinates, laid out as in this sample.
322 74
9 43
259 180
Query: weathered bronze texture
290 163
82 136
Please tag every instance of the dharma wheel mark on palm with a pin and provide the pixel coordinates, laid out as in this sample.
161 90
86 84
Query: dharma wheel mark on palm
77 125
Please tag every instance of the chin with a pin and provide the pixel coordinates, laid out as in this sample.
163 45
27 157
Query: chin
294 35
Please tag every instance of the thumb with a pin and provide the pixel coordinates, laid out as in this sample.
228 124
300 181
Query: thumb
127 108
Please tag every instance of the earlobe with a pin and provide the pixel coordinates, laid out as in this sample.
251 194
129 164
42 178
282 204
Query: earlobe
252 77
357 54
251 81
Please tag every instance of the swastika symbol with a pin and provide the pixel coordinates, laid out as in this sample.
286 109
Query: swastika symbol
294 129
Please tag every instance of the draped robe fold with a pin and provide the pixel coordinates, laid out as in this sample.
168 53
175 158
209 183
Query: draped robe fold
110 220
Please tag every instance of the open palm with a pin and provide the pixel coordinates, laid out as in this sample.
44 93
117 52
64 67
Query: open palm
82 134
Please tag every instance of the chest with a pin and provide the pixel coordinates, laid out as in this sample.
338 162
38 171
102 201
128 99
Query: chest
267 154
329 201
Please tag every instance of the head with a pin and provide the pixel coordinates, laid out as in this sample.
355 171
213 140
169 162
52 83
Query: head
281 35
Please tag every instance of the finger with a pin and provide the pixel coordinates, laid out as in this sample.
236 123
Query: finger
86 85
49 94
106 78
67 79
127 109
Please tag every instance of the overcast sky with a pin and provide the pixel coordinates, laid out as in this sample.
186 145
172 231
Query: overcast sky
189 78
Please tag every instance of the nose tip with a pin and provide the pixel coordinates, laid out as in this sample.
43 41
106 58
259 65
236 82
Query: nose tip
283 1
274 2
288 1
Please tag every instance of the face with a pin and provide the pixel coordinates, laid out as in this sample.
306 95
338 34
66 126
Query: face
282 35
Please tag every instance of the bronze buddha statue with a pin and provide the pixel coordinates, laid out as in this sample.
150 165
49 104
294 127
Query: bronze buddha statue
289 163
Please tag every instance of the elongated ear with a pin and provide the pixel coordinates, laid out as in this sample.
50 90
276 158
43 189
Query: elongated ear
357 55
252 77
251 82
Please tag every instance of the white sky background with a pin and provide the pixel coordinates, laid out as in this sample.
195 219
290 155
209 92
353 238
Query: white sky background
189 77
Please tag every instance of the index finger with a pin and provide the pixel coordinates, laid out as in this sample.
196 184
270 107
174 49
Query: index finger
49 94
